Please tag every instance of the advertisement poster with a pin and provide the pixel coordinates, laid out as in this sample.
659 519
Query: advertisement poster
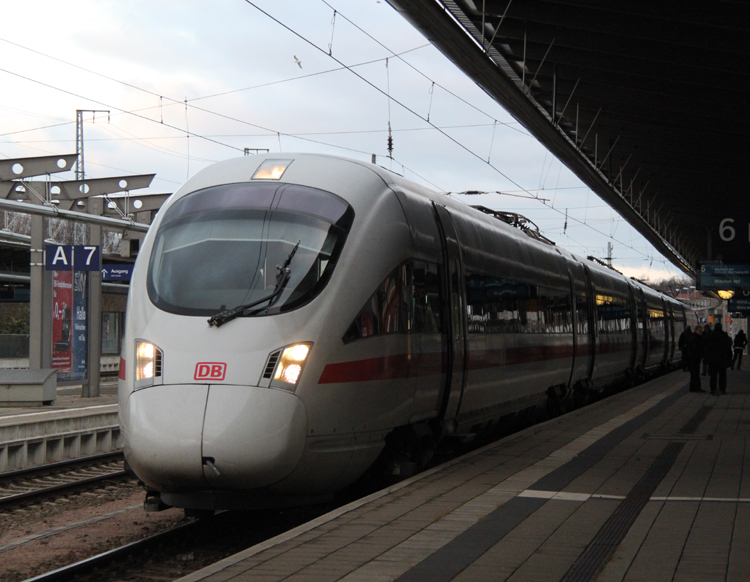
80 332
62 321
69 348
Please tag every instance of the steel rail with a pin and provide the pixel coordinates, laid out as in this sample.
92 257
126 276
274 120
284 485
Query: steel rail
45 470
66 572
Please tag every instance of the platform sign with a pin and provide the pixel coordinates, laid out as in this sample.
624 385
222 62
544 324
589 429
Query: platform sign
72 257
117 272
715 276
86 258
740 305
58 257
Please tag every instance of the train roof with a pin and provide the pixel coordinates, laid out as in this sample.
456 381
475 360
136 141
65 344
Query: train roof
335 174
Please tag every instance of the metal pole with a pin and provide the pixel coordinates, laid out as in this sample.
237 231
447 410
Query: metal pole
40 312
92 387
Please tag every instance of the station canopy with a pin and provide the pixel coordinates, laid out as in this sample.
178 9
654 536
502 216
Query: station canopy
647 102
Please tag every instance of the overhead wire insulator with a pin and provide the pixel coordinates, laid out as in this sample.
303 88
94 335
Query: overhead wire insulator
390 142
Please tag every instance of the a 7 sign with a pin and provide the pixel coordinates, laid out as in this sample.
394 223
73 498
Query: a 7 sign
72 257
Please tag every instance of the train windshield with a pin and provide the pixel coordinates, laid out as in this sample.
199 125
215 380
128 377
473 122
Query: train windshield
219 248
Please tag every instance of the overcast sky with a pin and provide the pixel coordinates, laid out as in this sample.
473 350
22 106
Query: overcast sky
188 83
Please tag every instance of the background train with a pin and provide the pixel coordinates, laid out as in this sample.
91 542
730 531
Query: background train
292 317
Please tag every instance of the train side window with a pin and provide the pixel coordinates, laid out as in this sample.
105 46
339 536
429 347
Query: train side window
555 310
613 314
657 323
583 314
498 305
408 300
426 298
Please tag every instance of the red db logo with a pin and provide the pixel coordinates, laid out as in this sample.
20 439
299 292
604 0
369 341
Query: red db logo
210 371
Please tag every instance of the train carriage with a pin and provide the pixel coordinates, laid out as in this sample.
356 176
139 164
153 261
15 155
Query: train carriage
293 317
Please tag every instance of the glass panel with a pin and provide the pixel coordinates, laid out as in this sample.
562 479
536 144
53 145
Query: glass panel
407 301
111 332
426 317
613 314
220 260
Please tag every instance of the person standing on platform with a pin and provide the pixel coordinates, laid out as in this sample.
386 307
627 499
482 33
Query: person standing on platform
718 354
693 354
740 341
682 343
706 335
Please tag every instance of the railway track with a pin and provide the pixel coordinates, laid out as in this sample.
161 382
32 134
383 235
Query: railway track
38 482
183 549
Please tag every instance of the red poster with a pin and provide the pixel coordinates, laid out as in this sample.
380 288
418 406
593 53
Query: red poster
62 320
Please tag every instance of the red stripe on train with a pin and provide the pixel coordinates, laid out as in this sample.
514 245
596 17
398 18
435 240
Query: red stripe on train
411 366
386 368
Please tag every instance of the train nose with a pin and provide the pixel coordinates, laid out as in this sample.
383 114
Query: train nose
162 428
251 436
180 437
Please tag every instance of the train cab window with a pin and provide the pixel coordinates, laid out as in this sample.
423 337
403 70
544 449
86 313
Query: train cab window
407 301
218 248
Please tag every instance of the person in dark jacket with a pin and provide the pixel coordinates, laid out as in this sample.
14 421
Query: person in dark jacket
740 341
693 355
718 354
682 343
706 335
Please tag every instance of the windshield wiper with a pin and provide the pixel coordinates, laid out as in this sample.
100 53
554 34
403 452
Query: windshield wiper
282 278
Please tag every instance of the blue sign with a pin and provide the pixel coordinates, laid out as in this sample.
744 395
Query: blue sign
739 305
71 258
714 275
86 258
58 258
117 272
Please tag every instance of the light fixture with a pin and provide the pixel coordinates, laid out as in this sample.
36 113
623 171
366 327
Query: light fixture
271 170
289 367
148 364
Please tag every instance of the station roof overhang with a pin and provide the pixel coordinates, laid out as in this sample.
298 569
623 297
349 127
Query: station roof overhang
648 103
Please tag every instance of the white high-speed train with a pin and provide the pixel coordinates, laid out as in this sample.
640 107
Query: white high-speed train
292 317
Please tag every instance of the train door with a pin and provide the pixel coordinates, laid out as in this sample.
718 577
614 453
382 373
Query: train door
641 319
584 323
455 314
635 346
590 306
669 324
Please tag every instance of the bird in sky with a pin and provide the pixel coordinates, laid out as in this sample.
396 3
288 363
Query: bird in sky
296 60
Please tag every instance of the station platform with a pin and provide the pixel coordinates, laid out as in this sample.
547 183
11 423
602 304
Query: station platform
651 484
69 428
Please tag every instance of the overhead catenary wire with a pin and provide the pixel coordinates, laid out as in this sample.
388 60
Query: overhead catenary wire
290 135
303 38
451 93
368 82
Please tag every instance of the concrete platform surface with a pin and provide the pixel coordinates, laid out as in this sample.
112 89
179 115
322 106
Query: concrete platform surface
651 484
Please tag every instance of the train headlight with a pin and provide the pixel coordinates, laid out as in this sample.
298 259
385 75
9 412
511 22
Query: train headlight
287 365
148 364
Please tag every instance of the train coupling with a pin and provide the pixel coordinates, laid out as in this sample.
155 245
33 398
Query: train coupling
153 502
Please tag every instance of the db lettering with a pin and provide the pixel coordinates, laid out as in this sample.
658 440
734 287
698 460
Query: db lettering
210 371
